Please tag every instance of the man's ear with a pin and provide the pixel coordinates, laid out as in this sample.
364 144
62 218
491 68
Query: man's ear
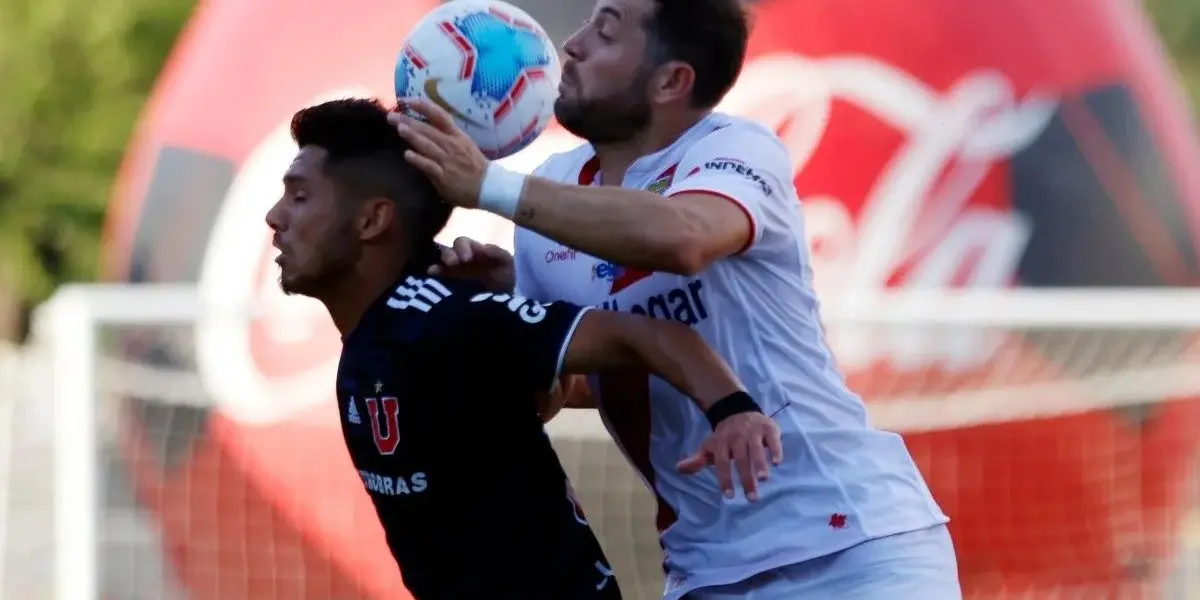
375 216
672 82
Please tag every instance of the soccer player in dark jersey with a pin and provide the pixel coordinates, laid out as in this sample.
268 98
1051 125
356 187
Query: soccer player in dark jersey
438 382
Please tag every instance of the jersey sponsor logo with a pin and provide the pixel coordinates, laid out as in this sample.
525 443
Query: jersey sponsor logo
733 165
560 255
531 312
385 423
418 294
621 277
352 415
684 304
606 271
399 485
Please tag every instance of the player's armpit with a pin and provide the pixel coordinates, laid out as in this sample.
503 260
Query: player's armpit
570 391
578 393
605 340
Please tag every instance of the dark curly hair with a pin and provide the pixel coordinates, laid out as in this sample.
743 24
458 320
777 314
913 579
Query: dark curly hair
366 159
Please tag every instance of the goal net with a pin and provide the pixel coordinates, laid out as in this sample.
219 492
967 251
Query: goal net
149 451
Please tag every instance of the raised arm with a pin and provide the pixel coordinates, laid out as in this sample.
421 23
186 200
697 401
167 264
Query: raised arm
715 206
724 190
635 228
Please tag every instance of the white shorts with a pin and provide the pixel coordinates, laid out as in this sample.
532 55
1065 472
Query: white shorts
917 564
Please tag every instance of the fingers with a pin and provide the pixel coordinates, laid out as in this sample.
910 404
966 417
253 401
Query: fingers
464 250
775 445
493 252
433 113
722 458
741 461
693 464
450 256
757 449
416 125
424 164
422 142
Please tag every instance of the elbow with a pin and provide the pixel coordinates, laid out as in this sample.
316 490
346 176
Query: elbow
684 255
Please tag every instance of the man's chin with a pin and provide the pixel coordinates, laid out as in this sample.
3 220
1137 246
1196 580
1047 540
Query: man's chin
292 286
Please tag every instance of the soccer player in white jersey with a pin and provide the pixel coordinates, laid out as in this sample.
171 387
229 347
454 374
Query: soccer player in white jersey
678 212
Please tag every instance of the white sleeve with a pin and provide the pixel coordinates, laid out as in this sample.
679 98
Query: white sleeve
747 165
524 242
527 284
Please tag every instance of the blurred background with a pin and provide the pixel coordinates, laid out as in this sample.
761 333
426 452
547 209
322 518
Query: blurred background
1031 168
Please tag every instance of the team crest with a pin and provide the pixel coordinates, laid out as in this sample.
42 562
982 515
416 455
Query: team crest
659 185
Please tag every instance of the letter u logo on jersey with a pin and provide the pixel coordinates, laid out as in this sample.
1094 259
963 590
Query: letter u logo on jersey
386 429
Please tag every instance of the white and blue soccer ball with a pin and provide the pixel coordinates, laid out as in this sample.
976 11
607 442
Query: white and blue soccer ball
488 64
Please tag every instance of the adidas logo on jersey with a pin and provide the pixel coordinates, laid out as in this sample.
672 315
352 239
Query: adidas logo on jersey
352 413
684 304
418 294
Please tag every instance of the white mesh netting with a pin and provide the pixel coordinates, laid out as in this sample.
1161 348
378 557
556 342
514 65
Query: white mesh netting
1058 431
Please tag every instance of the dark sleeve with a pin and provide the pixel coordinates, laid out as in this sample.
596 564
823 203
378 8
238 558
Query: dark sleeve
525 340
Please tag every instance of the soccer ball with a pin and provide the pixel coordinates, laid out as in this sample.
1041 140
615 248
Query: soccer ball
489 65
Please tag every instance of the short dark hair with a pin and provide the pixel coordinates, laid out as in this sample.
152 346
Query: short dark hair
366 159
709 35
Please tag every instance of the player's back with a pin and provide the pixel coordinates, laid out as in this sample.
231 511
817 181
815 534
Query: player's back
841 482
447 440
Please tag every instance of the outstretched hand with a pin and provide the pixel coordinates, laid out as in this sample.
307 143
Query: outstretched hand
440 150
745 440
488 264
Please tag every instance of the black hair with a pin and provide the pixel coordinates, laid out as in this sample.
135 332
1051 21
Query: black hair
366 159
709 35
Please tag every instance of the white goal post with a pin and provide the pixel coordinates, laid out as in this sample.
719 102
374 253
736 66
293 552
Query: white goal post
941 328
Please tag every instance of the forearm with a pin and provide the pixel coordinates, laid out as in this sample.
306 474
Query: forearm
678 355
632 228
606 340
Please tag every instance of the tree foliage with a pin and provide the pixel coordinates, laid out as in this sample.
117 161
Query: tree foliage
75 74
1178 21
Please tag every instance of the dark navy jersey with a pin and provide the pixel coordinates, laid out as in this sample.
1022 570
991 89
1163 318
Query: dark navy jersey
436 390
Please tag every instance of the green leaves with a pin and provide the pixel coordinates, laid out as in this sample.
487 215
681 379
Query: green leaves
1178 21
74 74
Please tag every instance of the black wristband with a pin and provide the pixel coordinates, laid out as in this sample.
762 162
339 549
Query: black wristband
733 404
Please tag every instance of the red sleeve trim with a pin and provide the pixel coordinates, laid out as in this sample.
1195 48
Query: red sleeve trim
745 211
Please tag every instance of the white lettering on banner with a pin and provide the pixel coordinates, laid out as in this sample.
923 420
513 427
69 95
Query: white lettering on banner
970 128
386 485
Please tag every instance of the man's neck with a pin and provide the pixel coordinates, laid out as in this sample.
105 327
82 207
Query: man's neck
615 159
350 298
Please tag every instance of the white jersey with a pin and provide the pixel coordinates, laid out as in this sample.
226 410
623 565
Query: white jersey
842 482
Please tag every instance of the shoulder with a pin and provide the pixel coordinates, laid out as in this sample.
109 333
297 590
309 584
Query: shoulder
737 147
420 305
739 135
563 166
